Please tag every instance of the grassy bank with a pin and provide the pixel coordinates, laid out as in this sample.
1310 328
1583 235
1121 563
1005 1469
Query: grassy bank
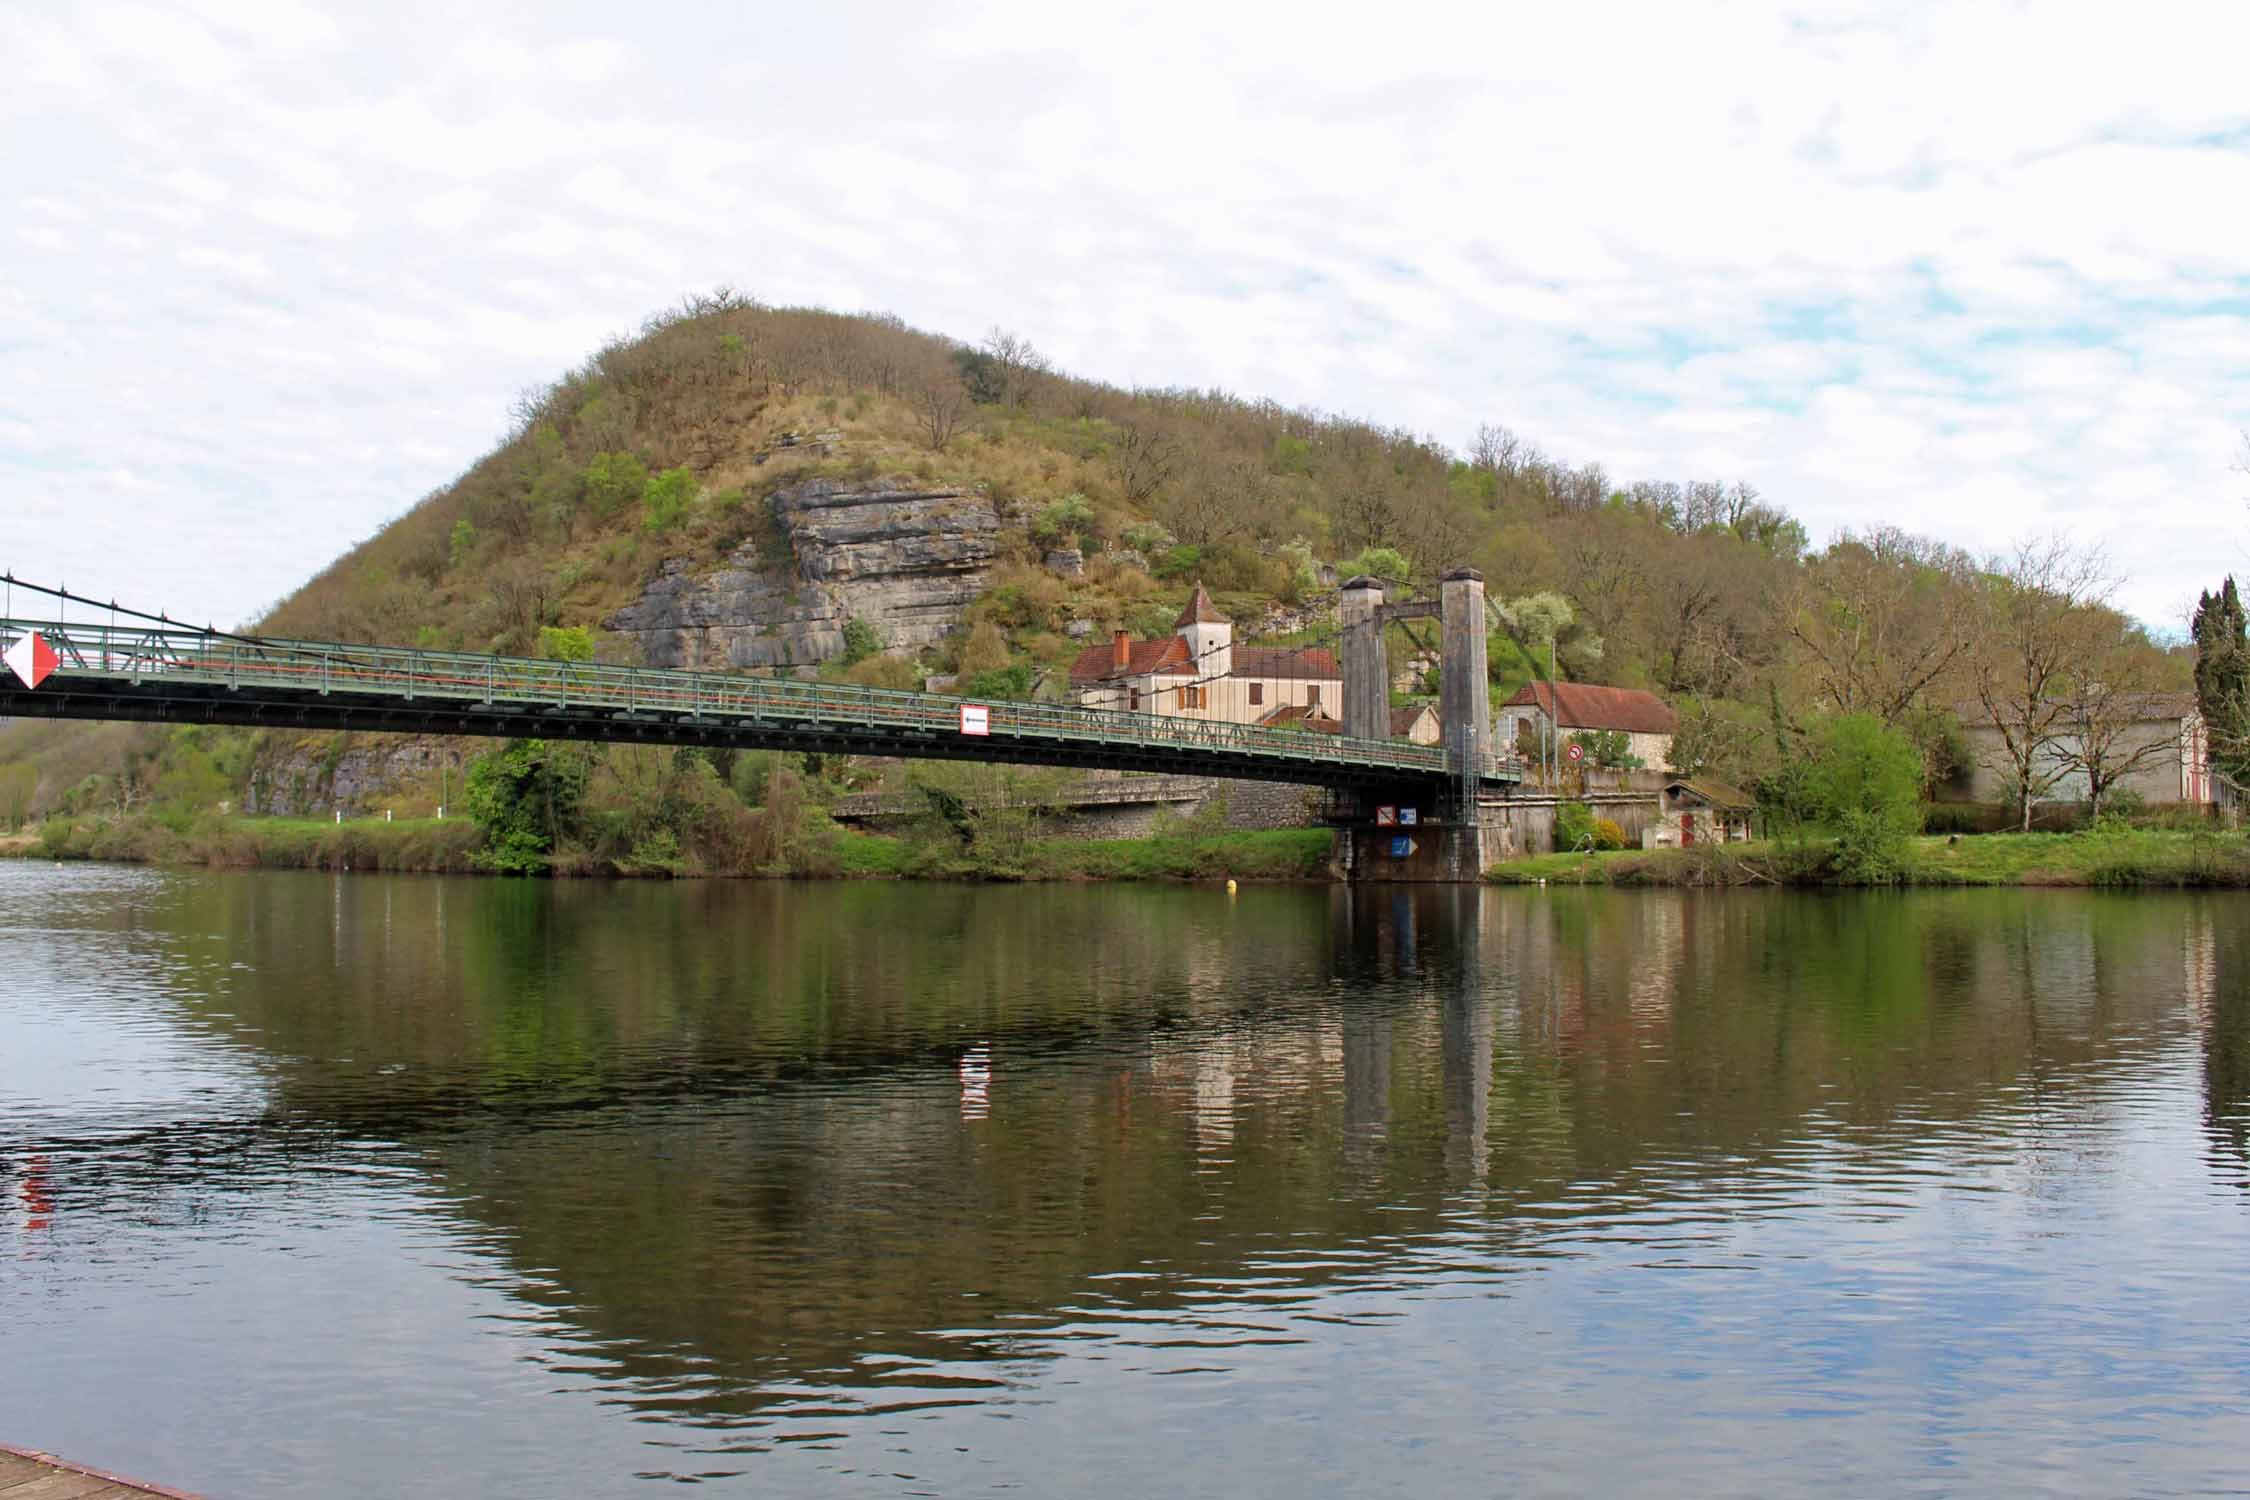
451 847
422 845
2159 858
1272 854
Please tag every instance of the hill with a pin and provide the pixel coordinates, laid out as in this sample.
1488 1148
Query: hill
796 489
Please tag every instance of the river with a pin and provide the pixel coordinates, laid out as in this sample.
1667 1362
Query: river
406 1186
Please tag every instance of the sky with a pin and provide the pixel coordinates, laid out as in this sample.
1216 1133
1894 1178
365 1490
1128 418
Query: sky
270 272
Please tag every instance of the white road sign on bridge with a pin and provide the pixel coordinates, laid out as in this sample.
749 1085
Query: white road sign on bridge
976 718
31 659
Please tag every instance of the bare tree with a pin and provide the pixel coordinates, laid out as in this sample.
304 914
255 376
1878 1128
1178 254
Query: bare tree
1020 366
942 410
2037 621
1881 620
2110 702
1145 458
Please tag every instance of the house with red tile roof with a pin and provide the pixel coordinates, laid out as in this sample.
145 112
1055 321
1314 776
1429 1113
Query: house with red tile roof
1580 707
1198 672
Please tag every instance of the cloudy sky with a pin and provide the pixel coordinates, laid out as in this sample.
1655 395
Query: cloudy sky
270 271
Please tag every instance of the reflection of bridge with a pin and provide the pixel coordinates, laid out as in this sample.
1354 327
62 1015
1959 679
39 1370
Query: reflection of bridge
173 674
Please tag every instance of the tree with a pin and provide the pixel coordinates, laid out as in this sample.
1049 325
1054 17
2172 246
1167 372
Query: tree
2036 618
19 783
526 796
1145 458
1018 366
942 410
1882 620
1864 781
2222 681
2108 702
566 643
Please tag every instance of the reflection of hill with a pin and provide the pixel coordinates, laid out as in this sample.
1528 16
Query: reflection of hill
721 1130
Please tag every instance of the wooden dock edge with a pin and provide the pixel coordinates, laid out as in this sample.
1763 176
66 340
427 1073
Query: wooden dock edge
65 1466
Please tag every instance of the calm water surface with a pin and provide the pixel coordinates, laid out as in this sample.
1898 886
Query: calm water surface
415 1186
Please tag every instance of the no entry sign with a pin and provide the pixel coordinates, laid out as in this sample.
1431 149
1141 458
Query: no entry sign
31 659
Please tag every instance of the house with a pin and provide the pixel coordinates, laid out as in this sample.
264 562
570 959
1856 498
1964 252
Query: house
2164 739
1528 718
1698 810
1198 672
1301 716
1417 722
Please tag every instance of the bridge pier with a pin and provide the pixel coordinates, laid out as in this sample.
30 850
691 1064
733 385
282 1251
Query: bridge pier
1436 848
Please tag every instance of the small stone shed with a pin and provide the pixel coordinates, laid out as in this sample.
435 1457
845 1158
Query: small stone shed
1698 810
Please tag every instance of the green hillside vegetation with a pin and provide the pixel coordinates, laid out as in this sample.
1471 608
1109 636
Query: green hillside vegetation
668 445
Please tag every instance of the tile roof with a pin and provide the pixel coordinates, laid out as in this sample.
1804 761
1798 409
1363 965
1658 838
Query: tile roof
1716 793
1402 719
1294 663
1200 610
1301 716
1584 706
1169 655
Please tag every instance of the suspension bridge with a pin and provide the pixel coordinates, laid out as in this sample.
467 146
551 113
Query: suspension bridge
123 664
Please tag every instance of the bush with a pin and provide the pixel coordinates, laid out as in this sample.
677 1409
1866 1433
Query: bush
664 504
1072 515
1386 563
861 640
1574 828
613 482
1864 781
1964 817
1608 834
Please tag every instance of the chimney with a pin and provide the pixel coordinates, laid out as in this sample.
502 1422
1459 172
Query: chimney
1121 652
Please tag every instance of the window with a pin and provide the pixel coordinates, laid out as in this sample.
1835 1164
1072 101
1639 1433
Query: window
1257 694
1133 704
1192 697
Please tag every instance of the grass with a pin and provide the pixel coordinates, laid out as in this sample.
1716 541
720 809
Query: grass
2139 857
1270 854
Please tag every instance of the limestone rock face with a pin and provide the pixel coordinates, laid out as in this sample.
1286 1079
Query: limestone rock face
906 560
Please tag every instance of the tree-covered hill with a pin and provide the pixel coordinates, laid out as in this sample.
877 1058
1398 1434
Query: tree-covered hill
665 448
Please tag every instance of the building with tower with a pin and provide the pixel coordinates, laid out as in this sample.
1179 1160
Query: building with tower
1198 672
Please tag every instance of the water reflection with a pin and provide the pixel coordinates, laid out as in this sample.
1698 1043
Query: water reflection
777 1168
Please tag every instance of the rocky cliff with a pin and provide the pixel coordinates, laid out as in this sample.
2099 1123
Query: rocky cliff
908 561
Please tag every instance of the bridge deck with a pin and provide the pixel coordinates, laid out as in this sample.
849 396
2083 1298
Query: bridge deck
141 673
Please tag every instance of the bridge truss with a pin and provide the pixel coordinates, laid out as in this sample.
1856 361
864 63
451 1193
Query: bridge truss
162 672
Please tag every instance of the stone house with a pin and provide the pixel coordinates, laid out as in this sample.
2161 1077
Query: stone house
1417 722
1698 810
2177 770
1198 672
1579 707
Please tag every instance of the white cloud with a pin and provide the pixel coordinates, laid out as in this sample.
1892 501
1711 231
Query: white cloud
1970 267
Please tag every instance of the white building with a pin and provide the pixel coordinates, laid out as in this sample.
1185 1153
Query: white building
1198 672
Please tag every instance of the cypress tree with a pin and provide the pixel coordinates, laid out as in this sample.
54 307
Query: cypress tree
2222 679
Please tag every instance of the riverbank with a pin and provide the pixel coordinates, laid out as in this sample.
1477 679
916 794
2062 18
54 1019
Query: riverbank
2123 858
451 846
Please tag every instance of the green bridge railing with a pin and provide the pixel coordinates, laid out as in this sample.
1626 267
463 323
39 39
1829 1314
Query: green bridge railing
140 654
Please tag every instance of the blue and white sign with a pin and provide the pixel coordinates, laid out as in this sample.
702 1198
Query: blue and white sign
1401 846
1407 817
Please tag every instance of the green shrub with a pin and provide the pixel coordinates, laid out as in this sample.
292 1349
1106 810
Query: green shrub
1864 782
861 640
566 643
1608 834
1574 827
613 482
664 504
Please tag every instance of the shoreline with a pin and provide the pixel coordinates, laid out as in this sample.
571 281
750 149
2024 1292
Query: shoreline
2109 859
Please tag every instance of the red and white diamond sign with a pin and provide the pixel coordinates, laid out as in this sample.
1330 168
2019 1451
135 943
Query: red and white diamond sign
31 659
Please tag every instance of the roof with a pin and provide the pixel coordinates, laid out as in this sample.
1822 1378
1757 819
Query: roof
1200 611
1402 719
1142 657
1584 706
2146 708
1296 663
1716 793
1301 716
